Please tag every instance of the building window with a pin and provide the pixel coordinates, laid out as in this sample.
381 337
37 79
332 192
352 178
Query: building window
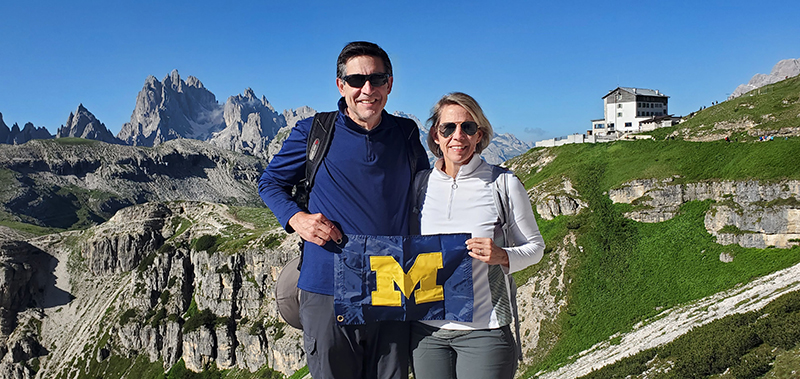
619 105
619 114
628 124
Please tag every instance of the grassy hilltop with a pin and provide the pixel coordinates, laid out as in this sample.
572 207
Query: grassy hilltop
625 271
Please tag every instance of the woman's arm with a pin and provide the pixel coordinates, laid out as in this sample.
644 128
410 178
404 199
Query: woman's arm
524 234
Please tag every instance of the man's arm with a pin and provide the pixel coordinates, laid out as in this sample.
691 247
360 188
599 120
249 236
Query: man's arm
286 170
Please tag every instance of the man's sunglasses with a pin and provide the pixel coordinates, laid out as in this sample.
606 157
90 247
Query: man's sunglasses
358 80
468 127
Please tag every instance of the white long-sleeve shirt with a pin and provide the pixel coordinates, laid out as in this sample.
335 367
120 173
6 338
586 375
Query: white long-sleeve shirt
466 205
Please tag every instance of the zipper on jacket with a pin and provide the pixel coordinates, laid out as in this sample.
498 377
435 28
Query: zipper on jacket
453 188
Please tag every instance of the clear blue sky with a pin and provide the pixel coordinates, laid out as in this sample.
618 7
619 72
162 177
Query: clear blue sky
539 69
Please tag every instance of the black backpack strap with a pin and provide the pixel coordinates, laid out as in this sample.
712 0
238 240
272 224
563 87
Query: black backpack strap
421 184
411 131
319 140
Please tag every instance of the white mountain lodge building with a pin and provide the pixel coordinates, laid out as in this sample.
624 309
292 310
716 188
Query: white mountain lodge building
629 110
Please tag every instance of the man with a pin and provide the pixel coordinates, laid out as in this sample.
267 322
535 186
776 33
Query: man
361 187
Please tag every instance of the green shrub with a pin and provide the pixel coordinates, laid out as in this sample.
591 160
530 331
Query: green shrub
202 318
165 296
755 363
127 316
146 262
206 243
160 315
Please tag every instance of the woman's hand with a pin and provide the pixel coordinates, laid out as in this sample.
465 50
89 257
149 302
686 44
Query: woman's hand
484 250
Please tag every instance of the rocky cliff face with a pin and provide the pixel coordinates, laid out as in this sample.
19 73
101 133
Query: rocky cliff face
172 109
250 125
147 283
748 213
83 124
784 69
66 184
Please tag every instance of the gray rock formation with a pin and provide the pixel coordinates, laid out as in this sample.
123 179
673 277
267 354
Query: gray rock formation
784 69
172 298
748 213
557 199
292 116
250 125
83 124
172 109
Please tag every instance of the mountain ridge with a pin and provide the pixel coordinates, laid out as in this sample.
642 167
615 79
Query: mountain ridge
175 108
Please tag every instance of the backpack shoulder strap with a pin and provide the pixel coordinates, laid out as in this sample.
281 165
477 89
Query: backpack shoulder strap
421 181
411 131
501 201
319 140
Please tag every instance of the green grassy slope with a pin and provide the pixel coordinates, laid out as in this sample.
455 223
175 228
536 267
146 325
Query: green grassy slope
629 271
770 110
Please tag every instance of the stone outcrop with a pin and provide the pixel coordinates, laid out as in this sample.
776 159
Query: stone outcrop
83 124
542 299
556 199
748 213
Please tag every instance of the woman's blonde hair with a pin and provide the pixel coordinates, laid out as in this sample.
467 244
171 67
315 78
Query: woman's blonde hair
471 106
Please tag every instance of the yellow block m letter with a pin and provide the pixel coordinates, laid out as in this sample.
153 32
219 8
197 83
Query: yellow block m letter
388 272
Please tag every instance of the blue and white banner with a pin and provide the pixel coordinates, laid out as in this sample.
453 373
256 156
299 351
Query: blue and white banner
403 278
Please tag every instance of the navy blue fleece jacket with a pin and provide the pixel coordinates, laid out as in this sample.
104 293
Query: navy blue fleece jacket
363 186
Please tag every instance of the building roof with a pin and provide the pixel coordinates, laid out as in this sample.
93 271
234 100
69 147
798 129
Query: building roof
637 91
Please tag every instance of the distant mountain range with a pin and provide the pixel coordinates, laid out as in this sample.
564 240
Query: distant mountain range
174 108
784 69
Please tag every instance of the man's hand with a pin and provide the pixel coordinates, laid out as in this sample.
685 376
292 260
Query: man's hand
484 250
315 228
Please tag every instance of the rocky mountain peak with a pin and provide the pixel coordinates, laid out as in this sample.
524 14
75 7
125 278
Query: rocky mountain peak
192 81
250 125
17 136
83 124
170 110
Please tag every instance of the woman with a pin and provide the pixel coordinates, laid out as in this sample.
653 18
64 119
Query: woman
460 198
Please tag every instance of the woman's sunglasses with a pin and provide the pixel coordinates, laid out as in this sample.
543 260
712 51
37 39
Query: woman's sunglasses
358 80
469 127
